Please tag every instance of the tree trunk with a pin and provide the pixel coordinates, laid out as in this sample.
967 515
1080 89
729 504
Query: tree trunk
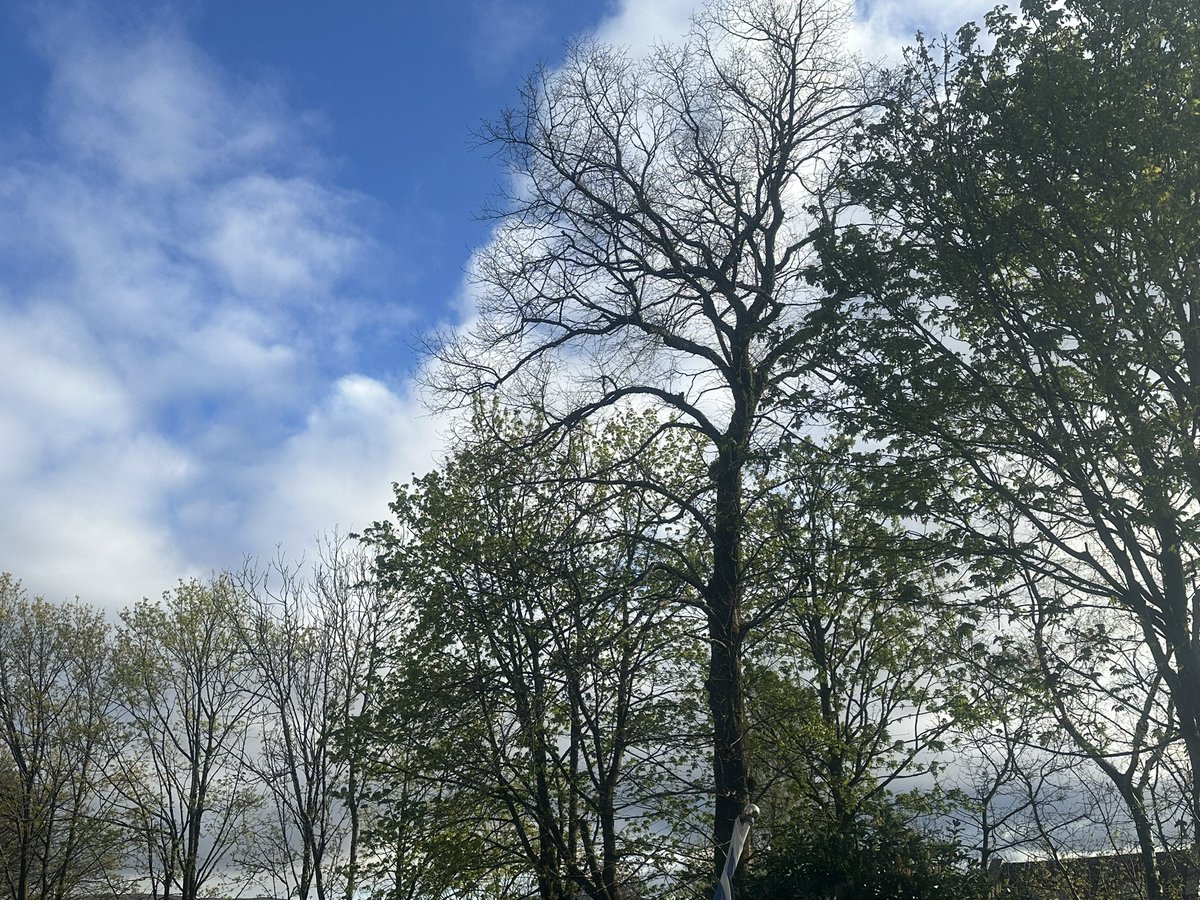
725 685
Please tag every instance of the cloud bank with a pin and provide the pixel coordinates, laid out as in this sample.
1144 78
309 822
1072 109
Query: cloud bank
185 295
181 293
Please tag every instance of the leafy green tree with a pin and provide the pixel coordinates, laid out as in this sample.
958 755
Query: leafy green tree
659 249
856 682
1030 281
856 685
186 695
59 835
535 702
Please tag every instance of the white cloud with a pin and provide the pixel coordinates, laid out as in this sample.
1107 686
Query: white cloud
883 28
149 107
97 525
178 302
363 436
276 237
639 25
84 479
53 383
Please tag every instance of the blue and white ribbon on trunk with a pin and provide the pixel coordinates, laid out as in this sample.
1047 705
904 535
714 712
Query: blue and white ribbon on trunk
741 828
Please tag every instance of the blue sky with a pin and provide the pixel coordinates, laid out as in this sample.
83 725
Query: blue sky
224 226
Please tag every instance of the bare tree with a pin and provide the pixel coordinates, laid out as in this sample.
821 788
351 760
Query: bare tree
656 248
855 691
315 640
186 696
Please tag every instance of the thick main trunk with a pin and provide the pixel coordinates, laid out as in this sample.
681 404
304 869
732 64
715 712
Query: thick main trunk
1188 715
725 684
1188 712
1180 636
730 767
1144 829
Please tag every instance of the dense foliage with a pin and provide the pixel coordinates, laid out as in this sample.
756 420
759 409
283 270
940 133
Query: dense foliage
877 856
